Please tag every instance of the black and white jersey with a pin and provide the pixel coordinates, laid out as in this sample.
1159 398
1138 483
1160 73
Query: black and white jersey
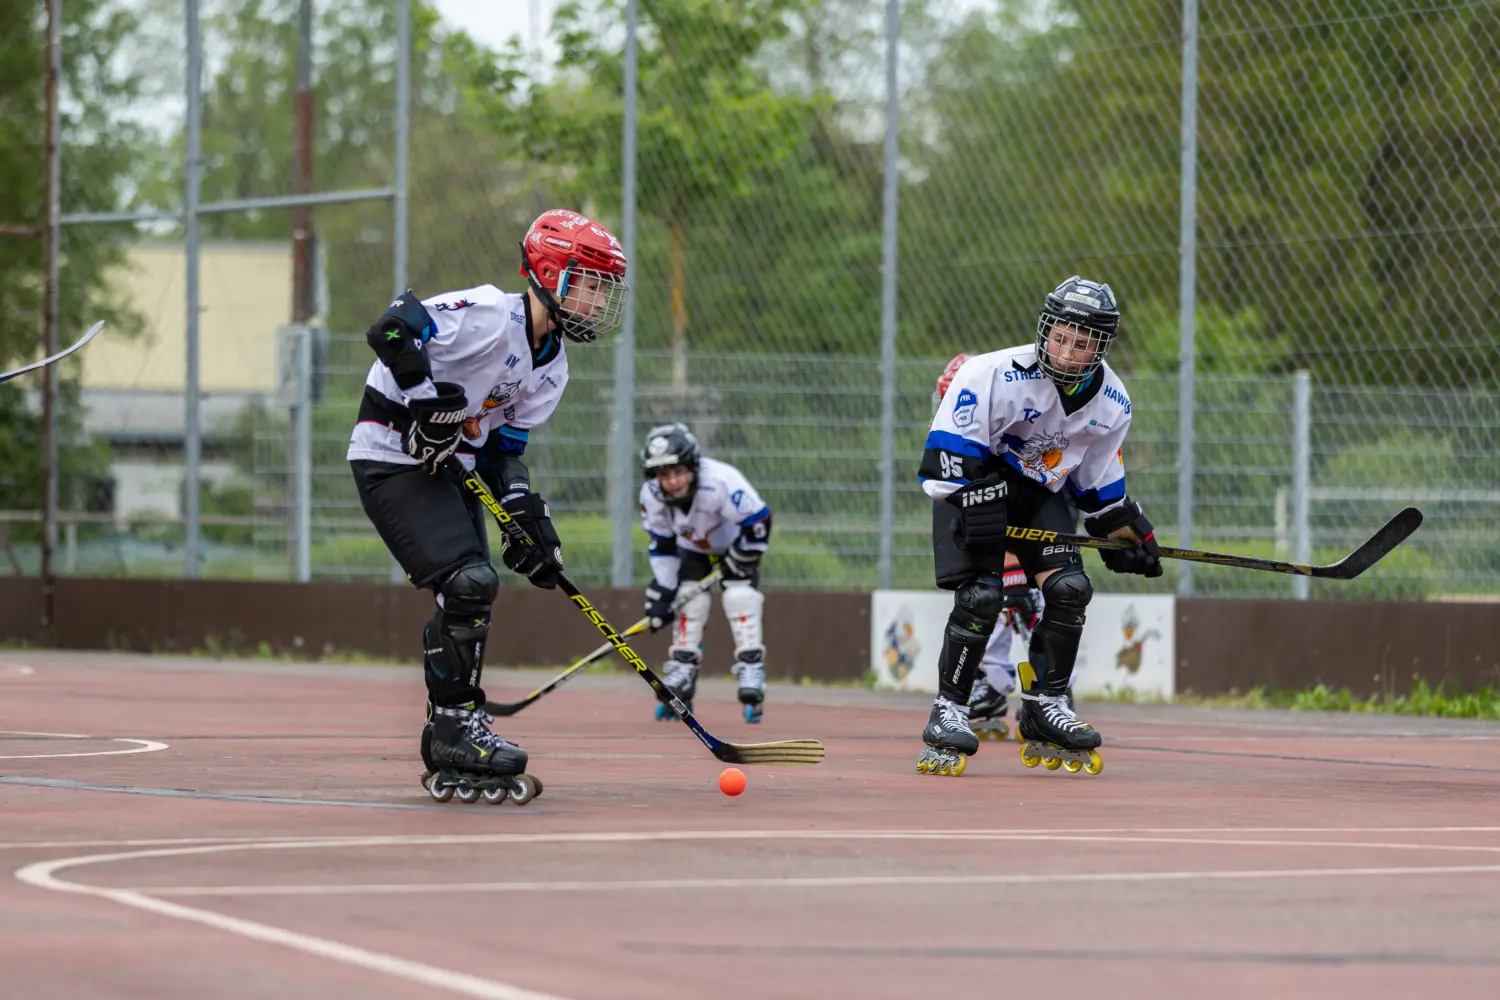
724 507
479 341
1000 408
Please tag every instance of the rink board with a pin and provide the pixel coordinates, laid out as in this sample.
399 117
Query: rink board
1128 642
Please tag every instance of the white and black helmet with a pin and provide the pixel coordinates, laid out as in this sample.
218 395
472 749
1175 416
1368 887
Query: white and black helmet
1090 307
666 446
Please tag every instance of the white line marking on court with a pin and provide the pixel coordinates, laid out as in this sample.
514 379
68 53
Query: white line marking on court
43 875
19 668
813 882
146 746
994 833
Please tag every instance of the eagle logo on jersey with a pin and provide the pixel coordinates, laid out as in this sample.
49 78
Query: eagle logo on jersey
501 397
1042 454
453 306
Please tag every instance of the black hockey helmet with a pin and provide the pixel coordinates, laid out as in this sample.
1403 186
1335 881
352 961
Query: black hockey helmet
668 445
1091 308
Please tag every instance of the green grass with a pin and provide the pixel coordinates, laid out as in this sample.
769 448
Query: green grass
1441 700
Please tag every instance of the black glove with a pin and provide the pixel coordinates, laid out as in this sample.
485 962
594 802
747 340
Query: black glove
1127 522
436 425
981 513
1017 598
541 561
659 604
738 563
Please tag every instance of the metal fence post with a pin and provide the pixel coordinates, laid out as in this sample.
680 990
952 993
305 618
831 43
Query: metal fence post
622 477
399 182
193 167
302 456
888 298
1301 476
1187 254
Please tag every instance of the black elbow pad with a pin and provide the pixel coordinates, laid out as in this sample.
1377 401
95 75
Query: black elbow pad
398 339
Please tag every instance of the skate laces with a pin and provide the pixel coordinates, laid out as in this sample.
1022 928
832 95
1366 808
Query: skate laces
479 733
1059 712
752 675
952 715
679 674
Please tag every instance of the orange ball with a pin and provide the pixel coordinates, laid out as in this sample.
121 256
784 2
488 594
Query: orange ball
732 781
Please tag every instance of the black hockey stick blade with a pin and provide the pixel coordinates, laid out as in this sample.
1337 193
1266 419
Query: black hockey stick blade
1372 551
93 330
783 752
1395 531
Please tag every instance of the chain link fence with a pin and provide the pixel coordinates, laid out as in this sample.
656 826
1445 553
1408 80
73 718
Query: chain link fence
1343 218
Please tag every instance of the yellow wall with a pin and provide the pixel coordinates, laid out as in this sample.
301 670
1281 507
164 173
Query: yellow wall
245 291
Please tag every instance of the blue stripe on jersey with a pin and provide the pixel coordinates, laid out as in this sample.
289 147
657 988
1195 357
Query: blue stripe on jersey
948 441
661 538
756 518
955 482
1100 496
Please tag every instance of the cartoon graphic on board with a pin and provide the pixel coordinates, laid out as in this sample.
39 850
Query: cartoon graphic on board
1128 657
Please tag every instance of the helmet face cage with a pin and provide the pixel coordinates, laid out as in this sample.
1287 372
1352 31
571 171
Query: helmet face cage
666 446
590 303
1089 319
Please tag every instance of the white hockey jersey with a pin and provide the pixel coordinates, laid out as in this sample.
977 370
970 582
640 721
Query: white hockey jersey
1000 407
724 506
479 341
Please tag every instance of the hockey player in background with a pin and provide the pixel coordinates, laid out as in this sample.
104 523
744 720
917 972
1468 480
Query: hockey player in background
1021 608
1015 427
470 374
696 509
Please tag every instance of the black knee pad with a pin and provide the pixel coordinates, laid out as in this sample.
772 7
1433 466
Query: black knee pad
471 589
687 656
977 605
1054 643
1069 590
460 627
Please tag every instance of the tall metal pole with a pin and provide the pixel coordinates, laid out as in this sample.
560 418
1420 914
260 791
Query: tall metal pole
398 199
1301 476
888 299
622 474
302 169
1187 283
50 254
193 165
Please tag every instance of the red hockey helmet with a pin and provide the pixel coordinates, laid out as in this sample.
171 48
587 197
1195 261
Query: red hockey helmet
946 379
577 269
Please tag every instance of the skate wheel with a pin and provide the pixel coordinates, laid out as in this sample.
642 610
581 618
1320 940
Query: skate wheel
1072 766
468 794
960 766
495 796
1052 763
922 765
752 714
426 777
532 790
439 791
535 781
1029 761
1095 764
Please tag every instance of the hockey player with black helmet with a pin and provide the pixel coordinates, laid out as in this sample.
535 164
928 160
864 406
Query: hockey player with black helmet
467 376
696 509
1014 429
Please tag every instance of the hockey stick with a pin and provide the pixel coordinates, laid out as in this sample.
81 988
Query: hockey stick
781 752
7 376
1371 552
496 708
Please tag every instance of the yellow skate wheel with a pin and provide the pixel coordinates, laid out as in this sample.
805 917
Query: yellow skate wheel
1029 761
1052 763
922 765
1072 766
960 767
1095 764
